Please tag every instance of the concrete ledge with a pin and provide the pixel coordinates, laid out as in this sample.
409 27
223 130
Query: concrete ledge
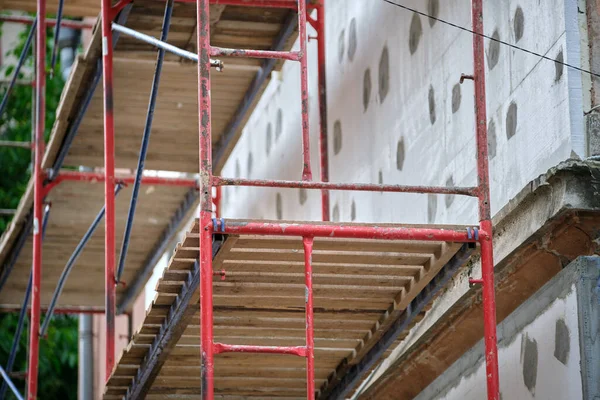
553 220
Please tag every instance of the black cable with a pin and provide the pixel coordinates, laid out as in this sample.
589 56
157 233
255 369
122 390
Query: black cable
492 38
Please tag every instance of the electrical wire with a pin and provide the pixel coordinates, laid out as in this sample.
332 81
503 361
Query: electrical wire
462 28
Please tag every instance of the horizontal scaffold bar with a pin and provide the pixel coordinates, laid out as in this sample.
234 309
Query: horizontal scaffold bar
98 177
228 348
366 187
281 55
58 310
22 19
251 3
318 229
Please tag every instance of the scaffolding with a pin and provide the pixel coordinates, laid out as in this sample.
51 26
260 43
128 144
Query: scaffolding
211 226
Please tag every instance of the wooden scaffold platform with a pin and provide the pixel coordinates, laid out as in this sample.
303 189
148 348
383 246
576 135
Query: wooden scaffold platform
361 286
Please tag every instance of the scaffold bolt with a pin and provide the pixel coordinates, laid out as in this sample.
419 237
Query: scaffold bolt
465 76
473 282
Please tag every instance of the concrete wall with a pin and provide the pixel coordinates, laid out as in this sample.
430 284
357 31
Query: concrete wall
397 113
9 38
548 347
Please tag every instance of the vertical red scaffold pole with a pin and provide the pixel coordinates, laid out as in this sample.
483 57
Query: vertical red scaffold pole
38 199
487 257
204 115
310 320
302 37
109 184
323 139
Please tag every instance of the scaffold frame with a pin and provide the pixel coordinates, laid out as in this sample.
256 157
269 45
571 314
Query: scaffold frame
210 222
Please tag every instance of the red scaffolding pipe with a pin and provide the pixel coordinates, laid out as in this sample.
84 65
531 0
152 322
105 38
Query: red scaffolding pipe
221 348
205 153
109 184
302 38
38 200
98 177
310 318
315 229
22 19
280 55
487 256
251 3
61 310
217 201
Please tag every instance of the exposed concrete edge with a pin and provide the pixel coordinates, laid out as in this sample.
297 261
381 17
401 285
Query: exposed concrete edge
588 307
580 275
566 188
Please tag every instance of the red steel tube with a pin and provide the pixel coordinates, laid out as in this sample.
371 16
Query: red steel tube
281 55
302 37
22 19
63 310
97 177
323 120
217 201
205 152
252 3
361 187
221 348
315 229
38 200
109 185
487 257
310 319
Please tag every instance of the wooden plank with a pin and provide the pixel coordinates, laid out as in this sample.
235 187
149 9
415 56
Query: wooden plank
319 256
364 245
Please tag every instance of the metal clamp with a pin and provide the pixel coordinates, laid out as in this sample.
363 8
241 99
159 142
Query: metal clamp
218 222
473 233
222 274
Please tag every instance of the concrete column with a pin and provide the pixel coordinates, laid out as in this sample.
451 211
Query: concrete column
591 52
68 41
86 358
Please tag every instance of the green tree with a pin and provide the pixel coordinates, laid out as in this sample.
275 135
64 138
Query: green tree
16 125
57 361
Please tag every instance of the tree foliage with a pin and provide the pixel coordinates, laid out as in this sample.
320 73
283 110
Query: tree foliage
16 125
57 360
